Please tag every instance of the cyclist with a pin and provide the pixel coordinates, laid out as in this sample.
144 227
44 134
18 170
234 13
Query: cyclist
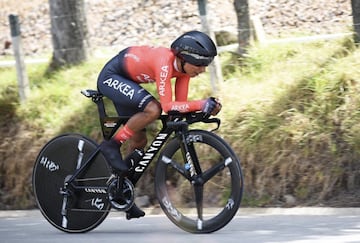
121 78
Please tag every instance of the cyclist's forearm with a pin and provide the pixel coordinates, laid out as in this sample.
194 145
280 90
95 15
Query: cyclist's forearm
183 106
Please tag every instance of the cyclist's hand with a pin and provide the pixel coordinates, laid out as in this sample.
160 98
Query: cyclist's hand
212 106
217 108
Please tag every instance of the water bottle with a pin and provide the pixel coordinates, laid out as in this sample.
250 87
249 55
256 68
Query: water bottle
134 157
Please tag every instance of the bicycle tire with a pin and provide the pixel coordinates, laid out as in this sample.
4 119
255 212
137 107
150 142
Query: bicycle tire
222 193
57 160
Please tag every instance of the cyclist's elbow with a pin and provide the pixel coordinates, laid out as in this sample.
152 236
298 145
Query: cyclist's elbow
166 107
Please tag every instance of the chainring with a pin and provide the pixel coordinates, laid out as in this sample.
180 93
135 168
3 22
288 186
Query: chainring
121 200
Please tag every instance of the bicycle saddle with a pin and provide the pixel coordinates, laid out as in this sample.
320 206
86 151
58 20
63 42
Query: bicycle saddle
90 93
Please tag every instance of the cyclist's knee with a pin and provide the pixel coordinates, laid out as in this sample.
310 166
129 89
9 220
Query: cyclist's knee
153 109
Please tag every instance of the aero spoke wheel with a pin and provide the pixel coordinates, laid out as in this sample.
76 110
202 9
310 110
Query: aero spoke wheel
220 195
86 204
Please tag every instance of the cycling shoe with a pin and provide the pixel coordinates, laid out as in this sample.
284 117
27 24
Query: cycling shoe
134 212
111 151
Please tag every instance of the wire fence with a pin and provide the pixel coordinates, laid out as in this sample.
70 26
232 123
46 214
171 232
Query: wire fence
114 28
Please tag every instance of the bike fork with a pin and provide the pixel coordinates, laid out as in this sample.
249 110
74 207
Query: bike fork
192 162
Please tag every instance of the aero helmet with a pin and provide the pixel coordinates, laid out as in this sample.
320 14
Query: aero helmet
195 47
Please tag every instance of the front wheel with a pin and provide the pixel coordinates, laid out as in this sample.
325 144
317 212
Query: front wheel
206 201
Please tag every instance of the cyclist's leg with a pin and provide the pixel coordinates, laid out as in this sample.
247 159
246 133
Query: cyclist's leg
138 122
147 115
137 141
130 99
137 103
126 96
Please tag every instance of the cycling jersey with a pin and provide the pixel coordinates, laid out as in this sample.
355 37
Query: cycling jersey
121 76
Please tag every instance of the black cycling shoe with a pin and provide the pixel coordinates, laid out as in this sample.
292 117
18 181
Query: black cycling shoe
134 212
111 150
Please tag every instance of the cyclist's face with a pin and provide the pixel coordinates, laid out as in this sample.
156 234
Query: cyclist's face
193 70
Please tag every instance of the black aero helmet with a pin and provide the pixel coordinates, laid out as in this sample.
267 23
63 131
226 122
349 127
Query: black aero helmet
195 48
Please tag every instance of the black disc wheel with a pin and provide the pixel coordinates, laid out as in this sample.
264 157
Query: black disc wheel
82 204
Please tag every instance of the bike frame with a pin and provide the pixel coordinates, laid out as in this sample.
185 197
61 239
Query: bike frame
89 191
137 170
110 125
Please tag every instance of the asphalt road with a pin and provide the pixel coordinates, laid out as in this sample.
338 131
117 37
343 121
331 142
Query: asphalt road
297 225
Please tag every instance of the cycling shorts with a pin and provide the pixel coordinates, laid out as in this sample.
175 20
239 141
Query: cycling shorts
128 96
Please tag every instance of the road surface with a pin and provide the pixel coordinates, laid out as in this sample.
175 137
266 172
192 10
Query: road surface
298 225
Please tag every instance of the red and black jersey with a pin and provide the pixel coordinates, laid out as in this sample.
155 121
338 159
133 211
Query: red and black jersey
145 64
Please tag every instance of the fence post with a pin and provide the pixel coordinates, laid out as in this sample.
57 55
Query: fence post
23 82
258 29
215 66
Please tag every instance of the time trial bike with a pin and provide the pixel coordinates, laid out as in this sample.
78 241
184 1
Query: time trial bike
198 177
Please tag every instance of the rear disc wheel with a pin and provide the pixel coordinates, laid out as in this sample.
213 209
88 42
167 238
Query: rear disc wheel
85 208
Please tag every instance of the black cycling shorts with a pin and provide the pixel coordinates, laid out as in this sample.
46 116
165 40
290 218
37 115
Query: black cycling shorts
128 96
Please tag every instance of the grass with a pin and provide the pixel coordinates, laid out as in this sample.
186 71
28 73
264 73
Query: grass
294 119
289 111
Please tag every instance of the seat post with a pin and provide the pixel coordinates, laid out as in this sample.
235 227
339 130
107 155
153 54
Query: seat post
98 100
109 125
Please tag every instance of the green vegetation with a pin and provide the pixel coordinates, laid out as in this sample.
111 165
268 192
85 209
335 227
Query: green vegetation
296 125
291 112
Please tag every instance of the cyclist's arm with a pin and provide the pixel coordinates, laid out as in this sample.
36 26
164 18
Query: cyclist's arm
181 103
163 74
182 88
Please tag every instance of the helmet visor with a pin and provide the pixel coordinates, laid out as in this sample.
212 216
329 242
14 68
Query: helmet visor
196 59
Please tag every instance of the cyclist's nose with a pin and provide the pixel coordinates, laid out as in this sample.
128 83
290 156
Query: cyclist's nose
202 69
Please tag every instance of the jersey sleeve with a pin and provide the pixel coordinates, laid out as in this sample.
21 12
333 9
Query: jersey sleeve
163 70
164 73
182 88
181 102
